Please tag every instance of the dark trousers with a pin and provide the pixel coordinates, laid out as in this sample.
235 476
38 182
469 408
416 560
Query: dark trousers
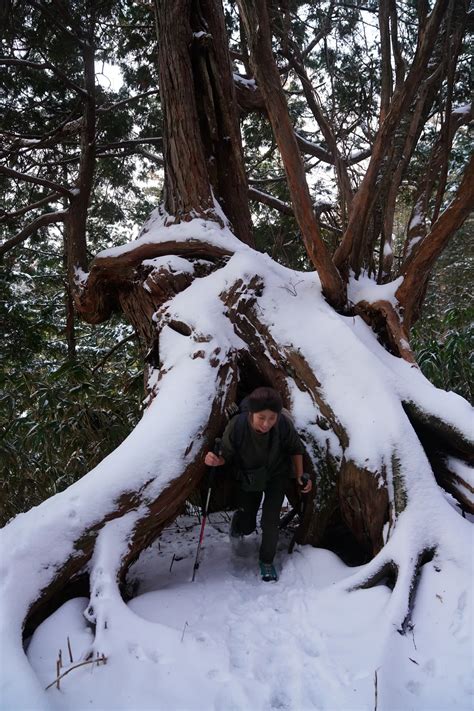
246 517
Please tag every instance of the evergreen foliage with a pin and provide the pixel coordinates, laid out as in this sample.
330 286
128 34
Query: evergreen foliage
443 339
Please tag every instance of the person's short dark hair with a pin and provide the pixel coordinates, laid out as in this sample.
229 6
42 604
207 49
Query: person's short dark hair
265 399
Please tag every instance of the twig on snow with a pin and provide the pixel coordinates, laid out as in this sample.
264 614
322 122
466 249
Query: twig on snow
99 660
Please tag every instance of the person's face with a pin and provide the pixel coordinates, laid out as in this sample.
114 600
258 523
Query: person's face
263 421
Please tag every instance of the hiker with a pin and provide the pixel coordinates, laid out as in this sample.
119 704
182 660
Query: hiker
266 449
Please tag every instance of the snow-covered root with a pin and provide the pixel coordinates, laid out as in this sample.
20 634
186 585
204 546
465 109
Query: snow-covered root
360 391
444 421
428 566
112 544
430 537
344 388
42 549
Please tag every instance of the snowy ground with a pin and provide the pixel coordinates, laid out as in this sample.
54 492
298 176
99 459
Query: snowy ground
229 641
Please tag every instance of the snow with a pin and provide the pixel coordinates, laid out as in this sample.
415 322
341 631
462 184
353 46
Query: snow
227 641
463 109
230 641
366 289
154 232
357 156
415 221
461 469
80 276
249 83
412 243
171 262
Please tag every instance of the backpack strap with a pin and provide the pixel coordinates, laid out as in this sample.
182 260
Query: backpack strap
283 427
239 430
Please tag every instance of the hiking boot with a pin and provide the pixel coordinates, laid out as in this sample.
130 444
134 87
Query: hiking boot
268 572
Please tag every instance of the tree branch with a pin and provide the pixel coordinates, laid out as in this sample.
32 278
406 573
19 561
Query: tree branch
271 201
38 181
412 290
112 351
257 26
283 207
314 104
386 82
48 218
154 141
9 61
11 215
75 233
53 17
111 107
351 250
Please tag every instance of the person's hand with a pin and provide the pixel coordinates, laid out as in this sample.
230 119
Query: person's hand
305 482
213 460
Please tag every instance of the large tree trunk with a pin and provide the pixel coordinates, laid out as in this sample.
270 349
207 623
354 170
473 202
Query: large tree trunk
201 135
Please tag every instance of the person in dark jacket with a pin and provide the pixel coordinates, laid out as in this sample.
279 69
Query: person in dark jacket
266 453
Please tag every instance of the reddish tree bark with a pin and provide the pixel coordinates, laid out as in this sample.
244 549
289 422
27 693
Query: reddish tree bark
416 273
353 250
257 27
201 135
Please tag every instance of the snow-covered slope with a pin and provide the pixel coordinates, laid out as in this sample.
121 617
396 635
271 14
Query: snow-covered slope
230 641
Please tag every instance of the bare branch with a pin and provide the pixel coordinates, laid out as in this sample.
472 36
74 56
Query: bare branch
271 201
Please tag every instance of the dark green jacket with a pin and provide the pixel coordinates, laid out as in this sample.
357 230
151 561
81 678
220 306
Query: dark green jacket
261 456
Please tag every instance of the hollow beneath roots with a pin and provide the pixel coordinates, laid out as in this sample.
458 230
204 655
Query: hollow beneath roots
335 535
339 539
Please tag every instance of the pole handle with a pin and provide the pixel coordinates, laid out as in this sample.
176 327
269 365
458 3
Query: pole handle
304 480
217 451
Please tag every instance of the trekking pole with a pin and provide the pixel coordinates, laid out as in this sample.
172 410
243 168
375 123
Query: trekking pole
302 506
216 450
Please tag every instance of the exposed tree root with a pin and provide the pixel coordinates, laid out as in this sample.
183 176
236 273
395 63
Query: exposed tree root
402 577
155 514
384 320
444 445
455 441
109 275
